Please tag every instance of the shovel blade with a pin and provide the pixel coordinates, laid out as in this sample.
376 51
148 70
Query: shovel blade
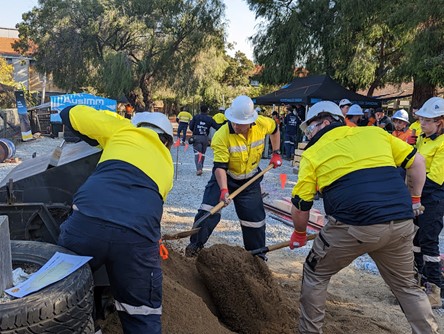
180 235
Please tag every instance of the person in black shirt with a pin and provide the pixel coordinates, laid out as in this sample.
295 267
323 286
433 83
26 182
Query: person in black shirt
200 126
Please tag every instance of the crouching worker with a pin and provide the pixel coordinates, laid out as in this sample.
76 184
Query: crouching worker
117 211
369 209
238 147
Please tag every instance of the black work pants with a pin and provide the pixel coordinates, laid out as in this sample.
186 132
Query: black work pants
249 208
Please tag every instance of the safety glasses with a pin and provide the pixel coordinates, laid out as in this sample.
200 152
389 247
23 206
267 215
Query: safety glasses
311 128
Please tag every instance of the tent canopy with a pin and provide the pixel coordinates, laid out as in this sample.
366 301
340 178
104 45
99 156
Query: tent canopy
312 89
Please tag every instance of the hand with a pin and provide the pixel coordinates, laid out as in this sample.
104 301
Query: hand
276 160
298 239
412 140
224 196
417 208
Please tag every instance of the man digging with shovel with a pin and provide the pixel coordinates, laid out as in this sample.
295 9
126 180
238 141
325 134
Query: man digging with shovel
237 147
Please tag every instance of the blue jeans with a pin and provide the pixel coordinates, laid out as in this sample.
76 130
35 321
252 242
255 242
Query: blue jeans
182 128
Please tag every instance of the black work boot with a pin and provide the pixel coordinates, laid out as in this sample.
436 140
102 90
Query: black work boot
193 249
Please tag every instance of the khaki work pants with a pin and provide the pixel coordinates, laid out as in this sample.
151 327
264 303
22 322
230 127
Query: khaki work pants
390 245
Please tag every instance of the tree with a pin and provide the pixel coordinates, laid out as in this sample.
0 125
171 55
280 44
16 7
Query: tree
360 43
6 73
130 47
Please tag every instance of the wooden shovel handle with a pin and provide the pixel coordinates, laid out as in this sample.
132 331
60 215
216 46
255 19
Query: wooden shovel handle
221 204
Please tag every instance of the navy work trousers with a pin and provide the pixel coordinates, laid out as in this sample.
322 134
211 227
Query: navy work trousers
426 241
132 263
249 208
182 128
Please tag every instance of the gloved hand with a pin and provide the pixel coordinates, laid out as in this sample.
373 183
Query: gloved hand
412 140
224 196
418 209
276 160
298 239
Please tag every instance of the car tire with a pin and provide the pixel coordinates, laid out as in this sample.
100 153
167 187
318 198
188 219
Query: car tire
63 307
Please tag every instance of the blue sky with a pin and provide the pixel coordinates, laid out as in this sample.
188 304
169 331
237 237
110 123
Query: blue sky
241 22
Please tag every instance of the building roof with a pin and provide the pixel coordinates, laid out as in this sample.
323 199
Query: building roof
6 47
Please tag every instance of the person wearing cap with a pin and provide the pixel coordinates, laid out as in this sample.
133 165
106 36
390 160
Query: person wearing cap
353 115
383 121
183 118
401 123
200 125
344 104
369 210
135 168
426 243
238 147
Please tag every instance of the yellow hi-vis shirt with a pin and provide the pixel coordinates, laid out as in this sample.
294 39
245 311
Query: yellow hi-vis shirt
343 150
121 140
417 127
220 118
242 154
432 149
184 116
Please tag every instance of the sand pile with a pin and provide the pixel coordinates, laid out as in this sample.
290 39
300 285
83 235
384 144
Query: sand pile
244 291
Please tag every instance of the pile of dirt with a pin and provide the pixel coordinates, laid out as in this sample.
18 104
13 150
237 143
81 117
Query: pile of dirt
246 295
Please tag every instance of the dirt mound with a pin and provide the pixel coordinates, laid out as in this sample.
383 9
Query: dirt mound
187 305
246 295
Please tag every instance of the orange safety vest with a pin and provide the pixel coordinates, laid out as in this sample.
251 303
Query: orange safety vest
403 135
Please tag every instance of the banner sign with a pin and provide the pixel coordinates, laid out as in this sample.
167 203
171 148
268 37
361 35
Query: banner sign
25 124
62 101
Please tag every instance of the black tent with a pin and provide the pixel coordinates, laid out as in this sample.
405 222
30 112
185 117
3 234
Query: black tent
312 89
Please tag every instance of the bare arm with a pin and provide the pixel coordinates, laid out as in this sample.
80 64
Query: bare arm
416 175
275 139
221 177
300 219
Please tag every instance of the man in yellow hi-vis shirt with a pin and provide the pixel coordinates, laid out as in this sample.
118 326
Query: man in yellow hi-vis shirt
183 118
369 210
238 147
117 211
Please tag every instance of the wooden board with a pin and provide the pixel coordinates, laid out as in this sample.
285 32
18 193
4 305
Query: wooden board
5 255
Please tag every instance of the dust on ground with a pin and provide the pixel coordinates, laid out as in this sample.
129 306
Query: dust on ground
226 290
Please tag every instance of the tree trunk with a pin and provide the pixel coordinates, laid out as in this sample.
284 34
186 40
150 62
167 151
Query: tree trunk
145 86
422 91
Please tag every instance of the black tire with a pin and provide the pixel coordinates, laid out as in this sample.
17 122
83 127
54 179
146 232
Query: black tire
63 307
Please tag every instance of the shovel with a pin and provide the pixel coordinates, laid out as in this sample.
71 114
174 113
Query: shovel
280 245
215 209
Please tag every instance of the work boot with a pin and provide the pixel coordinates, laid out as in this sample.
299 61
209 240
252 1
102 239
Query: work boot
199 172
192 250
433 292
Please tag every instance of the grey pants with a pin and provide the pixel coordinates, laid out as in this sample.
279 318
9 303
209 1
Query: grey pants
390 245
200 146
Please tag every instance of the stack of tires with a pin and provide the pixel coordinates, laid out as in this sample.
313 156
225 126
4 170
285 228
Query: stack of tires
63 307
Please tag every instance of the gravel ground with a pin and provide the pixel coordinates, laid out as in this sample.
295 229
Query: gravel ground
185 198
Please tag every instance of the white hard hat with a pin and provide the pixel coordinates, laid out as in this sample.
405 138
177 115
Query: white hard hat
402 115
154 120
433 107
321 107
355 110
344 102
241 111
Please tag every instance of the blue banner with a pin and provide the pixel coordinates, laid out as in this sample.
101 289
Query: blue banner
62 101
25 124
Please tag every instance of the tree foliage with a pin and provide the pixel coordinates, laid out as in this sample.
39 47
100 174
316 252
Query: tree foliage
360 43
120 47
